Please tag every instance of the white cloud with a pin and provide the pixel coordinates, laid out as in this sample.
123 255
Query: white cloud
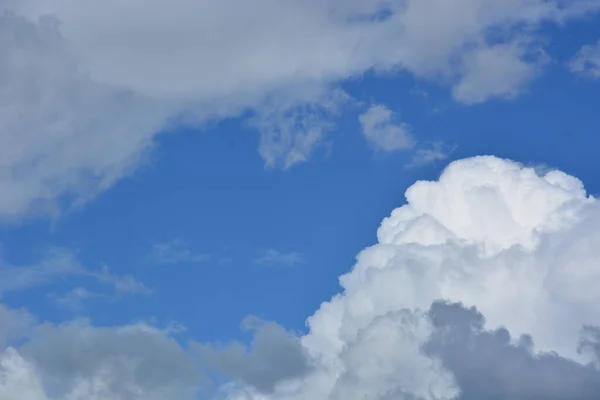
80 103
438 151
519 245
382 132
490 233
273 257
290 133
587 61
176 251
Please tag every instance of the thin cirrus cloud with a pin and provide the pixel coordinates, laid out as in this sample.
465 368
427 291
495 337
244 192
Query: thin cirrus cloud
59 264
175 252
76 298
274 258
102 95
428 154
438 309
587 61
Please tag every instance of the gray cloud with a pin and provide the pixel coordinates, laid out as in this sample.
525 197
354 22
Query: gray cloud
130 362
274 355
492 365
14 324
80 107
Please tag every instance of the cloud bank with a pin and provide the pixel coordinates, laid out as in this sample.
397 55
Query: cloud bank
483 285
85 86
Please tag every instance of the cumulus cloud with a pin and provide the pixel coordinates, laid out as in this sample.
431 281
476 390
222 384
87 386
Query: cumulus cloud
490 233
13 324
81 104
587 61
492 364
382 132
69 137
483 285
276 258
273 355
77 361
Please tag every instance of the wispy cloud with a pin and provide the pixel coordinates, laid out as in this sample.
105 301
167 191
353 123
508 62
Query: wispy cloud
56 263
438 151
75 298
275 258
60 264
176 251
383 132
122 284
587 61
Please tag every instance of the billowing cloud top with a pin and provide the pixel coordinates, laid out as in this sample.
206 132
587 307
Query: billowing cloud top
518 243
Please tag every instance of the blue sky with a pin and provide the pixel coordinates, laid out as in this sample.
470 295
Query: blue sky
197 230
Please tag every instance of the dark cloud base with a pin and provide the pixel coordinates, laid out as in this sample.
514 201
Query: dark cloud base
486 364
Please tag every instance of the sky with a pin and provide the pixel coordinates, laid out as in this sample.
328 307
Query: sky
285 200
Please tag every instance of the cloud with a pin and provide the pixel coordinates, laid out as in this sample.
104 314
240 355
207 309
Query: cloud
491 364
80 105
490 233
273 356
382 132
14 324
77 361
176 252
438 151
122 284
275 258
290 133
509 64
587 61
58 264
519 244
75 298
70 137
